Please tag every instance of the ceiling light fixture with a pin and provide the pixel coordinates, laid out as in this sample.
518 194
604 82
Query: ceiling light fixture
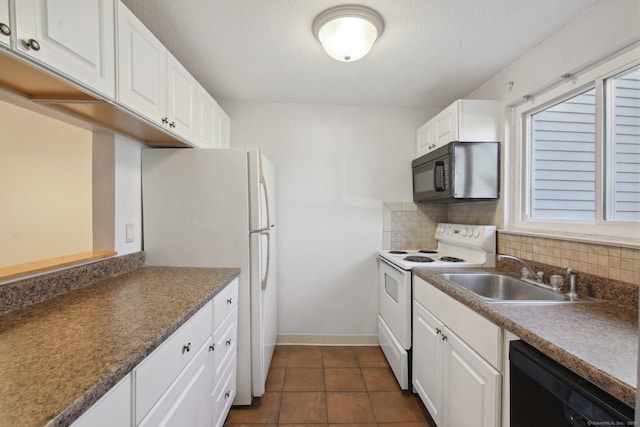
348 32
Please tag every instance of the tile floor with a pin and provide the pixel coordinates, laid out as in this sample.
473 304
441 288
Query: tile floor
332 385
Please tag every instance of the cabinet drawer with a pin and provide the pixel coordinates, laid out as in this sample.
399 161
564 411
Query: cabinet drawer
161 367
185 401
224 302
479 333
225 339
224 393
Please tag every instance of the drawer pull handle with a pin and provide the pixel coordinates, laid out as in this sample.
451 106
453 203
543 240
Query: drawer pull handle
186 348
5 29
228 342
32 44
438 331
165 120
212 347
229 301
227 394
444 337
172 124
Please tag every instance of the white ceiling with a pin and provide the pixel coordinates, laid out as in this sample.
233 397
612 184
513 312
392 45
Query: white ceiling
431 52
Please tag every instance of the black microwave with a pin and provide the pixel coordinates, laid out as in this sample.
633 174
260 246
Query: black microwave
458 171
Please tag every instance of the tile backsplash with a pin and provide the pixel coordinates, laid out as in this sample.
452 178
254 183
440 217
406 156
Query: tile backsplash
411 226
612 262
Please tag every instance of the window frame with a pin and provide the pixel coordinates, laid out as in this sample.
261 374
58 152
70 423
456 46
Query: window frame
518 175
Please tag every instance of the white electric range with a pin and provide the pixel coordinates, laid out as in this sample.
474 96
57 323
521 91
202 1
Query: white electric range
459 245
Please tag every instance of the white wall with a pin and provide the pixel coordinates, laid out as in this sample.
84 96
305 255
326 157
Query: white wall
128 194
45 187
335 166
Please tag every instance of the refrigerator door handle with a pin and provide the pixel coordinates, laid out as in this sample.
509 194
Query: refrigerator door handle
263 186
265 279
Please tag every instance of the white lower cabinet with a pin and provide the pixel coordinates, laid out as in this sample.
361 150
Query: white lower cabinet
113 409
457 384
189 380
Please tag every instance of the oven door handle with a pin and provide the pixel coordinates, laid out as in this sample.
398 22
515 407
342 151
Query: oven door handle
391 265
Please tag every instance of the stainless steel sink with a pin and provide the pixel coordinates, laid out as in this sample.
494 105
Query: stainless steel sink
500 287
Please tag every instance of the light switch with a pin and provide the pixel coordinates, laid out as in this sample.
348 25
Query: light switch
129 238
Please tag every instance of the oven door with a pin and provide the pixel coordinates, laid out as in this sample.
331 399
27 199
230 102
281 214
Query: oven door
395 301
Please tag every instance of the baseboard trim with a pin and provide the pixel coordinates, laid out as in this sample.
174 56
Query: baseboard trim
339 340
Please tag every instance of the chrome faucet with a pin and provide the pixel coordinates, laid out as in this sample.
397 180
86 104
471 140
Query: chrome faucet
538 276
572 294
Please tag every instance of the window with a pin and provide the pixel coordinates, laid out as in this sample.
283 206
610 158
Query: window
578 156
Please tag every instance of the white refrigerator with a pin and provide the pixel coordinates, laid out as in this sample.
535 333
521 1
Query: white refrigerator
215 208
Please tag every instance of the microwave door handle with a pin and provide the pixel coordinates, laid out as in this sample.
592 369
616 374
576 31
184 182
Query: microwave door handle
439 176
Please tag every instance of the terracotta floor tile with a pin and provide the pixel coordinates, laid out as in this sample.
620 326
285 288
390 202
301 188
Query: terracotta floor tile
339 357
279 358
398 407
343 379
303 407
275 379
304 379
353 425
305 357
264 410
349 407
414 424
380 379
371 357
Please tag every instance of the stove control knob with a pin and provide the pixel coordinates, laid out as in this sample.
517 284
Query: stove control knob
464 232
476 234
440 229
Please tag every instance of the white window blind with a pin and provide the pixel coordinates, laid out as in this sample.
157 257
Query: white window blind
624 151
563 160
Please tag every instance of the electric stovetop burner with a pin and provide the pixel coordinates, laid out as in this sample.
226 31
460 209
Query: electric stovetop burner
398 252
427 251
416 258
451 259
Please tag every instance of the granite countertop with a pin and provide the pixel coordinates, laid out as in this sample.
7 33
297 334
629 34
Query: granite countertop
60 356
598 341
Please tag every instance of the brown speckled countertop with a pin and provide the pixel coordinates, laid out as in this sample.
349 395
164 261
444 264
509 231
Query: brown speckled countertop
598 341
60 356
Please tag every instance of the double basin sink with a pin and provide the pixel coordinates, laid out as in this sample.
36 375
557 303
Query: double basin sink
503 287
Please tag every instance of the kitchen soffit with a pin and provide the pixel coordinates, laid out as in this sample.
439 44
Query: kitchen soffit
431 52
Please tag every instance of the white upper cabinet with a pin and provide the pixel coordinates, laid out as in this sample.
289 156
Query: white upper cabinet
181 99
223 128
466 120
74 37
151 81
212 123
5 25
142 68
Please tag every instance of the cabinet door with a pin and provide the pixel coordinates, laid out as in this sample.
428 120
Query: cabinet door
187 401
446 125
427 360
142 68
205 119
76 37
223 128
425 140
113 409
5 25
181 99
471 387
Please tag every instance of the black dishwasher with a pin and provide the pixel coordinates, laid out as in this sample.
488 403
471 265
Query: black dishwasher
545 393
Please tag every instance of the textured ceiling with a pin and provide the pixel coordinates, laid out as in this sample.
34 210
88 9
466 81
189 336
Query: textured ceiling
431 51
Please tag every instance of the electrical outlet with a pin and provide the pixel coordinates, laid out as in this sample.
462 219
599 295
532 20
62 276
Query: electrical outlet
129 238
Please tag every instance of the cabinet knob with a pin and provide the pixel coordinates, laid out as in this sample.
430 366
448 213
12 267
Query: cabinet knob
165 120
229 301
31 44
212 347
186 348
227 394
5 29
444 337
438 331
228 342
172 124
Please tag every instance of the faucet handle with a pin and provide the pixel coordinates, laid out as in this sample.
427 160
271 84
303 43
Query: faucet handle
570 271
540 275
